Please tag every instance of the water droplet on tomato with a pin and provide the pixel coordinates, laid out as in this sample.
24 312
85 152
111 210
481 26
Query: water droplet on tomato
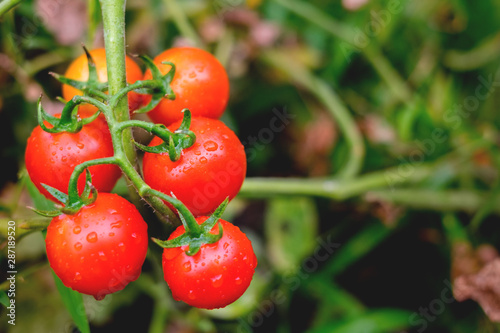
203 160
111 234
80 145
191 295
78 246
64 159
210 145
99 297
114 282
102 256
121 246
217 281
226 245
238 280
77 229
192 75
77 277
186 267
92 237
116 224
197 152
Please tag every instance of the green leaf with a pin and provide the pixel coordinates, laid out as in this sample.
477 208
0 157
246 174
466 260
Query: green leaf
74 303
291 226
39 200
4 299
357 247
377 321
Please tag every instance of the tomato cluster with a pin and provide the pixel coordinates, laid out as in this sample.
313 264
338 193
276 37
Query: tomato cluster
101 247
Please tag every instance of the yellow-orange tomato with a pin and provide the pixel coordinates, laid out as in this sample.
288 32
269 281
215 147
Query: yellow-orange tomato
78 70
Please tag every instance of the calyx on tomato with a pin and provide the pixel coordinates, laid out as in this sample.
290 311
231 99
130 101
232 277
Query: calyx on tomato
161 90
173 143
72 203
92 87
196 234
70 120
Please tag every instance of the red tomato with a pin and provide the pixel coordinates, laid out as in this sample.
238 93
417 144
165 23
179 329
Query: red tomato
51 157
101 248
78 70
215 276
207 172
200 84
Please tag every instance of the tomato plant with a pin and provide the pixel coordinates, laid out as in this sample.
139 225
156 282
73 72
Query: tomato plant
51 157
101 248
217 275
78 70
212 169
200 84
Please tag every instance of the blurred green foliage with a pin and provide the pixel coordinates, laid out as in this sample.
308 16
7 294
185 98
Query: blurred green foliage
417 81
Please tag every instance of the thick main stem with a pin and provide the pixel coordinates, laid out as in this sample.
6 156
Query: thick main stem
113 17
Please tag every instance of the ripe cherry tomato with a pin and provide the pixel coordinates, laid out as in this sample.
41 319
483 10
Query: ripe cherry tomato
206 173
215 276
200 84
51 157
78 70
101 248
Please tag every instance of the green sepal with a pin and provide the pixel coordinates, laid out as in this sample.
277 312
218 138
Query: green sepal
173 143
161 148
163 91
73 204
89 87
65 123
69 121
196 238
59 195
76 202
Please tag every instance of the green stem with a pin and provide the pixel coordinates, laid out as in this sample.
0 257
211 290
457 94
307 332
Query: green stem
189 222
327 95
445 200
6 5
79 169
113 16
331 188
150 84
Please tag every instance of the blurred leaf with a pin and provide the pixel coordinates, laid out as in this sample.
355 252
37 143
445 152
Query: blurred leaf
291 229
74 303
39 200
377 321
358 246
4 299
454 230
